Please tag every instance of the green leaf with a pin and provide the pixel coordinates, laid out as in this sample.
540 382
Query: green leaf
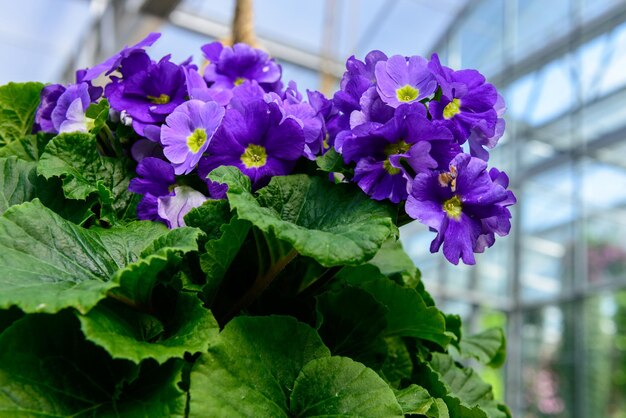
8 317
488 347
336 224
17 178
453 326
48 264
99 113
463 390
251 368
398 366
18 103
438 409
139 277
351 332
131 335
220 253
408 315
27 148
331 161
341 387
393 261
47 368
75 159
414 399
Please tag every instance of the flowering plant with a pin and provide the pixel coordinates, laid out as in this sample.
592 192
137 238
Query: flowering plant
185 242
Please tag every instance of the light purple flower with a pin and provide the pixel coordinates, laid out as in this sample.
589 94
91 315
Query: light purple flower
188 131
404 80
69 113
173 208
154 179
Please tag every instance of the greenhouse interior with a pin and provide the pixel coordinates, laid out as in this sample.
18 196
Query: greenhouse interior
557 282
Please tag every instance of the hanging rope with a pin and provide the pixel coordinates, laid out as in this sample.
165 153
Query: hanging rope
243 23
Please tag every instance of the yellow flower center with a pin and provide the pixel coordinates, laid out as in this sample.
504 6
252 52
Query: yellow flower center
196 140
389 168
399 147
254 156
162 99
239 81
453 207
407 93
452 108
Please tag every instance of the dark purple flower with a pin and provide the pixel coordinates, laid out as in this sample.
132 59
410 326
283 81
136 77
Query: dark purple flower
149 94
154 179
43 116
467 102
188 131
408 137
173 208
311 122
357 79
144 148
478 140
229 67
197 88
259 141
404 80
113 63
464 205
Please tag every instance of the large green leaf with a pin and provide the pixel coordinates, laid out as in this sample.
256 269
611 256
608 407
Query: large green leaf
74 157
48 264
336 224
47 368
393 261
138 278
275 366
27 148
251 368
415 399
488 347
17 182
462 389
398 366
408 315
18 102
351 332
341 387
128 334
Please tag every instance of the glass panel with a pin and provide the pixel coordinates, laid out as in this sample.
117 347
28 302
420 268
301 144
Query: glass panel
547 363
547 212
604 330
538 22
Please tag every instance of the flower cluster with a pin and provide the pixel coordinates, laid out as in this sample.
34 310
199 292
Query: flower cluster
403 123
400 125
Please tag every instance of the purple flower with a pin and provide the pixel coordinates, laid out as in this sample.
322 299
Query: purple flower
311 122
404 80
173 208
467 102
229 67
357 79
149 93
258 141
198 89
478 139
188 131
43 116
409 136
464 205
69 113
154 179
113 63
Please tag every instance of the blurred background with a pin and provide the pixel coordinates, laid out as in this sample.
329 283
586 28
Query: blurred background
557 283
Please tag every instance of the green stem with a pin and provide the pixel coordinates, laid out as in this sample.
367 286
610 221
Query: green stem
260 284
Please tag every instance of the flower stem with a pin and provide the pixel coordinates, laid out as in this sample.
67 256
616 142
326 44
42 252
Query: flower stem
260 284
